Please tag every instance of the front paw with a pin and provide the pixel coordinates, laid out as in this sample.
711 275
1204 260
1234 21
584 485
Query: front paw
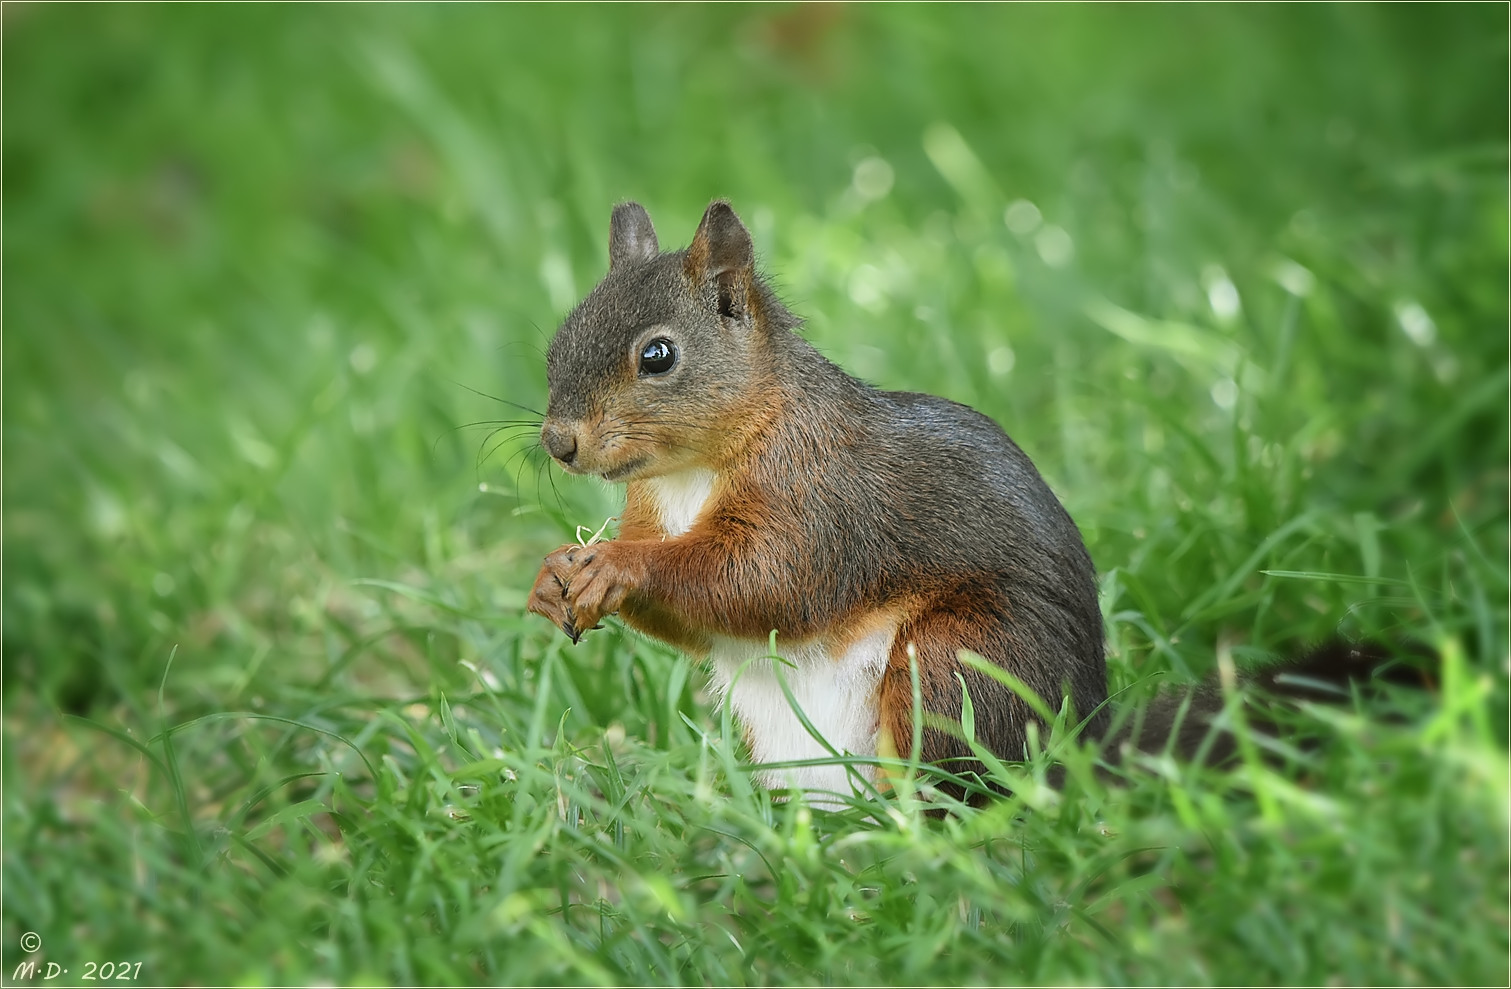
548 597
578 585
605 575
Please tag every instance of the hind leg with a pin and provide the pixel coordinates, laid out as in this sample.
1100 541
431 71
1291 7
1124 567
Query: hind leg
936 637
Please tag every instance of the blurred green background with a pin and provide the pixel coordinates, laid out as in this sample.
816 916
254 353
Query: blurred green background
1234 277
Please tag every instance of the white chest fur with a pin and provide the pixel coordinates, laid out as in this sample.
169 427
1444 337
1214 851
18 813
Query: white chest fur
680 497
838 694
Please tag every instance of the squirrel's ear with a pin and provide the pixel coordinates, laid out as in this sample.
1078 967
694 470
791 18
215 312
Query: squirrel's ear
631 236
722 256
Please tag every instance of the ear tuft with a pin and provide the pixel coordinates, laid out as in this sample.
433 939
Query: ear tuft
722 244
722 257
632 238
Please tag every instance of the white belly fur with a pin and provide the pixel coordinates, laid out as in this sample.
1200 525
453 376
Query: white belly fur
836 693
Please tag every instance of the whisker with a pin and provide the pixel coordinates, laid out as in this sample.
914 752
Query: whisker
499 424
561 506
485 452
519 487
501 401
664 422
658 440
523 453
540 499
530 347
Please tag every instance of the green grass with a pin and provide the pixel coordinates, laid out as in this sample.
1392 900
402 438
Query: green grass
274 711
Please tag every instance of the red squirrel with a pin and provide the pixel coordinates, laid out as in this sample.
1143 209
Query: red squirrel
767 489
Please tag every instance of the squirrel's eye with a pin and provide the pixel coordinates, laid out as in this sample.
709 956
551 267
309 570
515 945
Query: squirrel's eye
658 357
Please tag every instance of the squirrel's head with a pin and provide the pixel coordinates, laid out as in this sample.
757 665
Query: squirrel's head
659 368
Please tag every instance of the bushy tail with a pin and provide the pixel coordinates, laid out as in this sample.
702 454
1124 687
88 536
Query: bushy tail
1186 722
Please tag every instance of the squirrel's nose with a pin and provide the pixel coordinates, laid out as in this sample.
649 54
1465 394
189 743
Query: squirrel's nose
560 441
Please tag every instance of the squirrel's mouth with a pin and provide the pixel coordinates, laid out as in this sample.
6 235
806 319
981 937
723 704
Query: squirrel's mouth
624 470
